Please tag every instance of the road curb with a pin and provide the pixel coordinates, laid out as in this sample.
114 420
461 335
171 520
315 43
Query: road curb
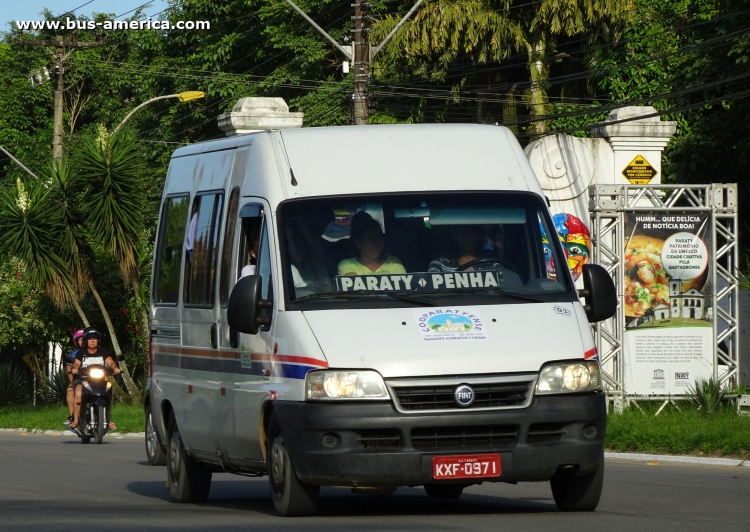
69 433
656 458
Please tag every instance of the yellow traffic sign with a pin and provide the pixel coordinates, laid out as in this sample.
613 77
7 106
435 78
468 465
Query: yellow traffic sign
639 171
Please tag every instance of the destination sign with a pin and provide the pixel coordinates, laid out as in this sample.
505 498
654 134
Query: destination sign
418 281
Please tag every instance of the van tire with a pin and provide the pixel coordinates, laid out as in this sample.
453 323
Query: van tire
291 498
155 454
188 480
443 491
578 493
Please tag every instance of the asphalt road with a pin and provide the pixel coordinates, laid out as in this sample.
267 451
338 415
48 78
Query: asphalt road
55 483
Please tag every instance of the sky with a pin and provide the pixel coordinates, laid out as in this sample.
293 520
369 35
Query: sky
30 9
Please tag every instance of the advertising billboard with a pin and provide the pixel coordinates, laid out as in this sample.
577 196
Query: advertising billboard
669 340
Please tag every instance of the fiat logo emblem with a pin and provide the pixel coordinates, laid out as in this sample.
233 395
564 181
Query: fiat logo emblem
464 395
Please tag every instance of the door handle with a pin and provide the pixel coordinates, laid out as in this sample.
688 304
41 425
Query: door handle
214 336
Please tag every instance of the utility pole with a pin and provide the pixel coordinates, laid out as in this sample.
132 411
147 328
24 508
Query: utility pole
362 53
60 45
361 63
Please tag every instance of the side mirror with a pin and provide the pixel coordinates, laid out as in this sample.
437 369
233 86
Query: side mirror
246 311
600 294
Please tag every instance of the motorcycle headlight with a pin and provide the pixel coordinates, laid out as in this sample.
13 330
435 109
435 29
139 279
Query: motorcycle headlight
569 377
331 385
96 373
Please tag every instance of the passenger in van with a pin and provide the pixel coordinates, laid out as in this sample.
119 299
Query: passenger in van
252 264
251 230
368 238
469 243
308 274
494 240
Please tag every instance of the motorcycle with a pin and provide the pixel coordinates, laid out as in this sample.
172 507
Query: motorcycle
96 398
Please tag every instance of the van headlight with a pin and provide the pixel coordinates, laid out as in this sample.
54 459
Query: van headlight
569 377
330 385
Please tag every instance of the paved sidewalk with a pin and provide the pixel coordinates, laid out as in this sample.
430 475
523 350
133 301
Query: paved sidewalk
656 458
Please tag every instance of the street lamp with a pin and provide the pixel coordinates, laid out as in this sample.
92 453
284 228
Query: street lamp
182 96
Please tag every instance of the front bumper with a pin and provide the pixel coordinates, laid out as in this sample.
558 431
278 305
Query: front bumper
373 445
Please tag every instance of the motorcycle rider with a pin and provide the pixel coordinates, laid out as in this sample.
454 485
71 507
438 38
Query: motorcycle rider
91 353
69 359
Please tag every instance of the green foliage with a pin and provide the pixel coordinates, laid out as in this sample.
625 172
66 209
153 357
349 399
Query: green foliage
109 175
24 319
706 396
57 387
128 418
30 225
684 431
15 386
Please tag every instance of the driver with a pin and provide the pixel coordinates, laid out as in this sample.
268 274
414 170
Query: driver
91 353
369 240
469 255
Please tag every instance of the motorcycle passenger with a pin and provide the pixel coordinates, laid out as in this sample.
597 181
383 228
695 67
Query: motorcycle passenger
91 353
69 359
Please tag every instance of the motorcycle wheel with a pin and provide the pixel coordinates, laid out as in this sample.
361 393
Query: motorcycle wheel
101 424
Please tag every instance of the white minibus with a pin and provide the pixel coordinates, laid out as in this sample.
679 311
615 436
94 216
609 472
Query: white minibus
401 318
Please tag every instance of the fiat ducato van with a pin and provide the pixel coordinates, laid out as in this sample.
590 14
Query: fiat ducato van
369 308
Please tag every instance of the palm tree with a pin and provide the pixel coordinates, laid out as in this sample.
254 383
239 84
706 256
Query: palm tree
109 178
50 225
30 224
489 30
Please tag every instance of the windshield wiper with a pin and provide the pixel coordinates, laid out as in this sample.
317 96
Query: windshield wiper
360 294
505 293
333 295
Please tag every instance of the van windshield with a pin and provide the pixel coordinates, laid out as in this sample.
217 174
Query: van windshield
420 249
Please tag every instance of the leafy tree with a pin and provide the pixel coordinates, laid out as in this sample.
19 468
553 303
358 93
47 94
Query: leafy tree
477 32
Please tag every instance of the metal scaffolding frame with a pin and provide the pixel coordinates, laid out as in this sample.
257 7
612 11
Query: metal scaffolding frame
608 205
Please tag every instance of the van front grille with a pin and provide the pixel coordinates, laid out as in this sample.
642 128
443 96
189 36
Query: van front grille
380 439
440 397
545 433
478 436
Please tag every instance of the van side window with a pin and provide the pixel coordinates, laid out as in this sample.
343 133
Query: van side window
264 265
254 253
202 250
226 253
169 255
249 241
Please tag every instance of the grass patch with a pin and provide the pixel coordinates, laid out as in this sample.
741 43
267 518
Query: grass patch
128 418
684 432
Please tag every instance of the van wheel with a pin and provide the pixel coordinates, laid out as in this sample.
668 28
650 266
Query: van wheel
291 497
154 452
444 491
580 493
188 480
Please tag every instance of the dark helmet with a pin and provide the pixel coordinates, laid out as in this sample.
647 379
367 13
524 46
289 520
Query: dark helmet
92 332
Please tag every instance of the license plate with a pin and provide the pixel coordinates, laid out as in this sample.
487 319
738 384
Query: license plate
466 466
